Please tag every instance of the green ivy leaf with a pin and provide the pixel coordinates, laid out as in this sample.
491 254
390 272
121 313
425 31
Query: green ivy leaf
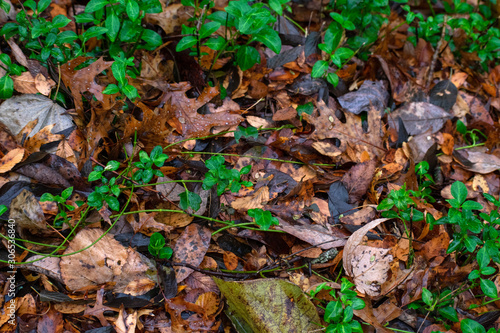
488 287
270 38
449 313
471 326
112 23
132 10
165 253
151 38
333 311
67 193
307 108
186 42
208 29
459 191
112 202
46 197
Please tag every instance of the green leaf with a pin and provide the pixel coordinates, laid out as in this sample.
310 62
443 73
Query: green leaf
449 313
165 253
151 38
461 128
5 59
6 8
344 53
247 132
471 326
276 6
46 197
67 193
270 38
112 165
459 191
216 43
427 297
6 87
60 21
112 202
208 29
67 36
113 24
358 304
246 169
84 18
472 205
42 5
95 5
93 32
132 10
319 69
483 258
130 91
189 200
333 311
111 89
305 108
333 78
488 287
246 57
186 42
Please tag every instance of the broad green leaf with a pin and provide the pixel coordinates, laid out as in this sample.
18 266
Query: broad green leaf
270 38
472 205
111 89
344 53
427 297
319 69
47 197
42 5
112 202
449 313
276 6
471 326
132 10
95 5
246 57
333 79
209 28
93 32
67 193
333 311
488 287
185 43
190 200
113 24
119 72
483 258
269 305
6 87
307 108
67 36
165 253
151 38
459 191
216 44
60 21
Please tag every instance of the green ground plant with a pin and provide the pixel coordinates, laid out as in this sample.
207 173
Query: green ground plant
438 304
63 206
157 247
6 82
339 312
224 178
240 18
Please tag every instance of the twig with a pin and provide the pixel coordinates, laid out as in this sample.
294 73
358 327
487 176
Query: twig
435 55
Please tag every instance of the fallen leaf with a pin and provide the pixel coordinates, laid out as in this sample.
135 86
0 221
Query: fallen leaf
190 248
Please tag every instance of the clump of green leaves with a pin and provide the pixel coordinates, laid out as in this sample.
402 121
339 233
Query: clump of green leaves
222 177
157 247
60 200
6 82
471 137
246 132
146 172
253 21
339 312
109 191
263 218
120 67
365 18
424 181
440 304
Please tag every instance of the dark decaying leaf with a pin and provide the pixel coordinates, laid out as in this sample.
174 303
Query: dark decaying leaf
444 94
338 199
418 117
268 305
369 95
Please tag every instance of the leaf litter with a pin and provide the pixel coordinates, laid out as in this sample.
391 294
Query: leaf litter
320 174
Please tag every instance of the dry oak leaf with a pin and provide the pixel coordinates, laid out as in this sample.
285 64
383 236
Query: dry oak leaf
256 200
106 261
83 80
181 113
350 133
27 84
367 265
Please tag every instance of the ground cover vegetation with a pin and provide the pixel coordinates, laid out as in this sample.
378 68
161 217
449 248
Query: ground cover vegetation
257 166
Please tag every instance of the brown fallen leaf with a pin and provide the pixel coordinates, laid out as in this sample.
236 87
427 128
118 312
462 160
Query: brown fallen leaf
105 261
190 248
367 265
11 159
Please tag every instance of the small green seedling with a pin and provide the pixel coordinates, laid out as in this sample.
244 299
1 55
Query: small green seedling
145 165
62 216
339 312
263 218
245 132
109 191
473 134
222 177
307 108
157 247
6 82
439 303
